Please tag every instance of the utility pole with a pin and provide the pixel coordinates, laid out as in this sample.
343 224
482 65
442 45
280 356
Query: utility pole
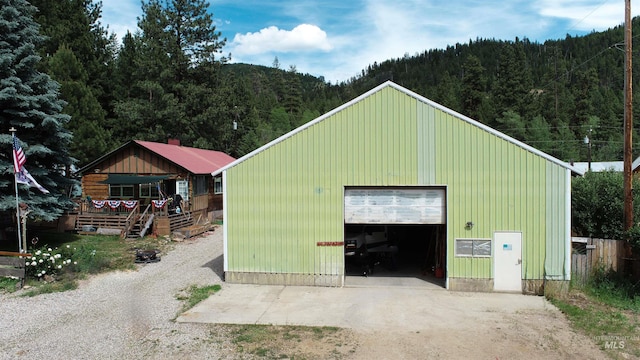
587 140
628 127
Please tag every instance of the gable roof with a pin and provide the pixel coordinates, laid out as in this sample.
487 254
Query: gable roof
195 161
635 164
417 97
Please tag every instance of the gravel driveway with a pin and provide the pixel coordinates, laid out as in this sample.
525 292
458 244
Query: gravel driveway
121 315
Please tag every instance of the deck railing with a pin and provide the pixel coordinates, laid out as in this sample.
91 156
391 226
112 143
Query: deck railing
108 207
126 214
145 220
131 220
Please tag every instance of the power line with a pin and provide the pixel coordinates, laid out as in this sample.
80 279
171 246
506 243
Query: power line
586 16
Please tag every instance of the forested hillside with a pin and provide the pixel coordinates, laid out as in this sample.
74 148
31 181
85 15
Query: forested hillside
171 80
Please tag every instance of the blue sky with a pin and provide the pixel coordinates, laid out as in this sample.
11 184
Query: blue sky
338 38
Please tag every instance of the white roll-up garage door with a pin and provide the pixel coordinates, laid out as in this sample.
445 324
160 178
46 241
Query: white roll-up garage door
394 206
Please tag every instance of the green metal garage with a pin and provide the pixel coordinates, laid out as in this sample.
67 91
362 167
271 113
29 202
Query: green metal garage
393 183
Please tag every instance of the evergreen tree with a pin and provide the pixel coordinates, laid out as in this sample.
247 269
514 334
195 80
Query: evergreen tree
173 63
538 135
127 69
76 25
447 92
280 121
585 85
91 139
154 42
192 34
513 82
29 102
511 123
473 88
293 96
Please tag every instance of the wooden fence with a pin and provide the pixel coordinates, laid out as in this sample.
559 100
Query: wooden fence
590 254
13 264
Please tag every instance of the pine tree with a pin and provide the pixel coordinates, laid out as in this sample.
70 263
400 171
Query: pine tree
513 85
91 139
173 60
76 25
474 85
292 101
29 102
127 72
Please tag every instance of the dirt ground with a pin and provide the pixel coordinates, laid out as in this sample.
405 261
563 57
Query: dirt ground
528 335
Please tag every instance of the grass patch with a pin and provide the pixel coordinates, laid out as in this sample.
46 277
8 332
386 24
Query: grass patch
51 287
291 342
195 294
607 310
8 285
90 254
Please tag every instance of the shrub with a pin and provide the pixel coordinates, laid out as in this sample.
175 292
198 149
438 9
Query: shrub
48 261
597 204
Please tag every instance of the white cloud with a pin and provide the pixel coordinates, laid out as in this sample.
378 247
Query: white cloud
121 16
585 15
303 37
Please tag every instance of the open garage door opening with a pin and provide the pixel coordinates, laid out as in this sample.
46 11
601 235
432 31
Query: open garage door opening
395 235
396 253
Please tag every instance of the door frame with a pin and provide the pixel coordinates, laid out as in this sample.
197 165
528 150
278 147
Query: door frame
507 283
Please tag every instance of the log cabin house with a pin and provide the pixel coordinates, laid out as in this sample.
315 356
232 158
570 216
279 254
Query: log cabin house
133 189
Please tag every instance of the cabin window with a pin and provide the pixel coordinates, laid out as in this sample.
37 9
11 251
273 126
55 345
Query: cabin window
182 188
217 185
149 191
200 185
473 247
120 191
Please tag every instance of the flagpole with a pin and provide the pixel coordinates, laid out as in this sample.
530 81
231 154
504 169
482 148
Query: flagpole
15 181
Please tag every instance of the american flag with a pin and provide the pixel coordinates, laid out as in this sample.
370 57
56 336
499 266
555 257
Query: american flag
18 155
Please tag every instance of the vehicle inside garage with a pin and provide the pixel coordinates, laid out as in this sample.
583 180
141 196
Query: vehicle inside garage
395 251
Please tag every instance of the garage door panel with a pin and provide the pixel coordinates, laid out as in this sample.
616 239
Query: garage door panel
395 206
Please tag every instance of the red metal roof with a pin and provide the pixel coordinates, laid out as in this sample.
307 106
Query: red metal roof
196 161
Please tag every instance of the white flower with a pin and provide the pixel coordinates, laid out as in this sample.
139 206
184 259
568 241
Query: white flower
43 272
68 246
59 266
33 258
33 263
49 249
38 252
75 263
39 274
40 261
57 256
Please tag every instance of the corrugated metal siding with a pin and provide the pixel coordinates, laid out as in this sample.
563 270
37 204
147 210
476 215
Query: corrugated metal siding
556 219
291 194
496 185
284 200
426 144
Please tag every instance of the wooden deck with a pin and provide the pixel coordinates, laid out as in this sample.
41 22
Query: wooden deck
116 224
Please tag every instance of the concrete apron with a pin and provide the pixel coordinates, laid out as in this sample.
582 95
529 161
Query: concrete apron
358 307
